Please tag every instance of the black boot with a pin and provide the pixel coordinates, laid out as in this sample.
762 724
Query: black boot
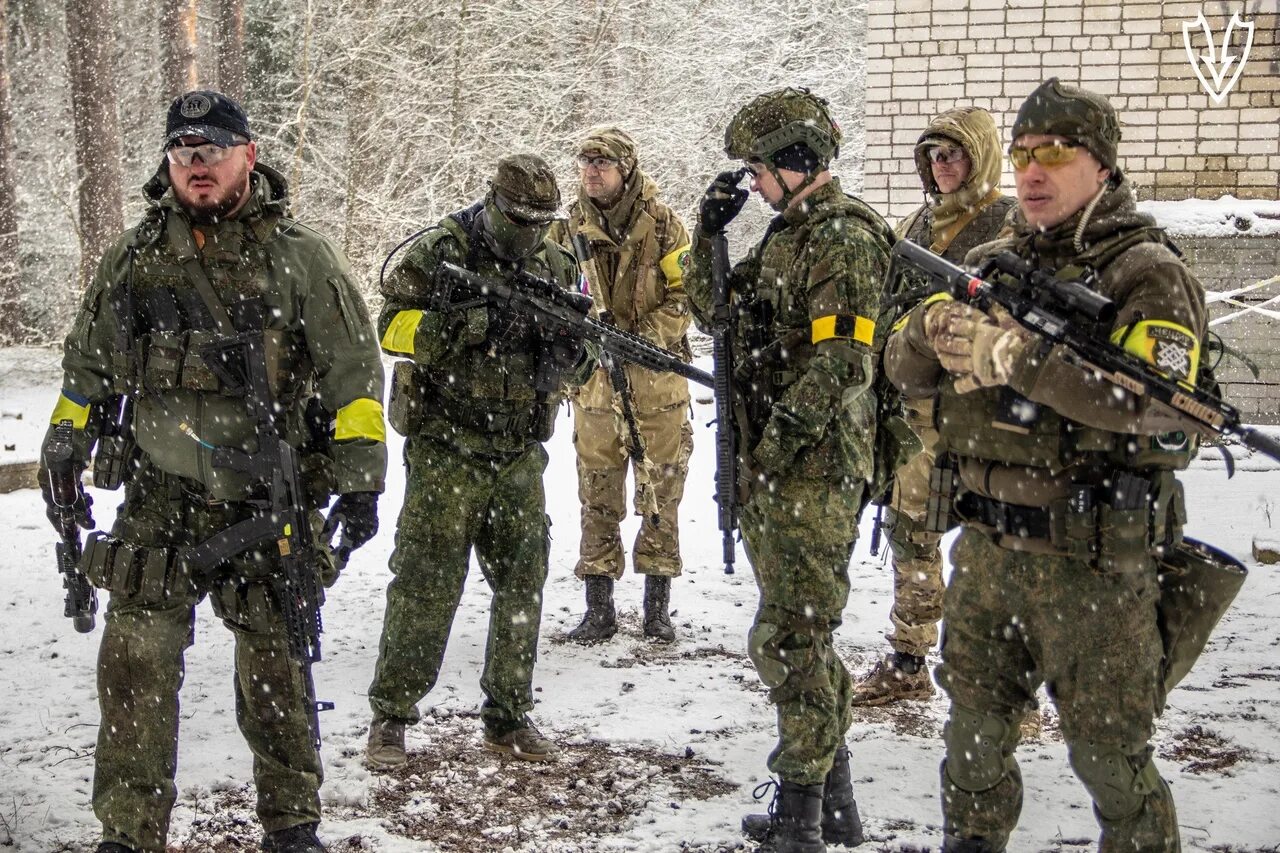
657 607
840 821
794 821
951 844
600 621
295 839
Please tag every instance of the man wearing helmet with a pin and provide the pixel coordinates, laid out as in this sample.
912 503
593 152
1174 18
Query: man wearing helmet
1067 491
805 298
466 397
636 284
958 157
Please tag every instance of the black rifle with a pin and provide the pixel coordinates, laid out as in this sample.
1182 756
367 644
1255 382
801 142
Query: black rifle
557 311
722 319
1053 309
281 516
615 367
82 600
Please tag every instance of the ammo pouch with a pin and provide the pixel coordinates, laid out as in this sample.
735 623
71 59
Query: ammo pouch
944 483
1197 585
112 459
122 568
404 408
1118 528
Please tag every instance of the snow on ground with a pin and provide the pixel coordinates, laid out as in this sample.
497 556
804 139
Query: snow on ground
1223 217
663 744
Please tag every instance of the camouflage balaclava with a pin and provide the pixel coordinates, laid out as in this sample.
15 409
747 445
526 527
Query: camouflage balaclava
523 199
1086 118
789 128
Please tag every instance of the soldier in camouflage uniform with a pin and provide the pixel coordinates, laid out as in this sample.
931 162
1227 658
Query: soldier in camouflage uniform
805 299
218 215
466 397
637 243
1067 492
958 157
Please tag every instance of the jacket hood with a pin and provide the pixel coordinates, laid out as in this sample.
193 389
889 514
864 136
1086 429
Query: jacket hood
268 192
974 130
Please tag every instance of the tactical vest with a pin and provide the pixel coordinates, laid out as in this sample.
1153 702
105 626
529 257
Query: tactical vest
1000 425
488 384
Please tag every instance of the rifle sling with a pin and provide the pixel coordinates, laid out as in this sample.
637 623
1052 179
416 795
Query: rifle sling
184 248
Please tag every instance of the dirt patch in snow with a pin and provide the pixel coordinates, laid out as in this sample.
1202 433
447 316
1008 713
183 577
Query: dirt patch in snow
1201 750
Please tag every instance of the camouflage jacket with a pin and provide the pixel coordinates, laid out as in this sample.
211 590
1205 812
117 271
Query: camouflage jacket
470 372
318 339
805 301
641 285
1071 427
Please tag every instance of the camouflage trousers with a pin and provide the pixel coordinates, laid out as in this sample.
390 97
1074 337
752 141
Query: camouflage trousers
917 561
659 486
1016 620
140 671
799 536
454 502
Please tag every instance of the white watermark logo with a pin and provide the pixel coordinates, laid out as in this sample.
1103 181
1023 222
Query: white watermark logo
1219 63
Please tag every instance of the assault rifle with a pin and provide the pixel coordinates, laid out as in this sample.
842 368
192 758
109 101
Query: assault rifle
1053 309
281 516
557 311
82 600
722 319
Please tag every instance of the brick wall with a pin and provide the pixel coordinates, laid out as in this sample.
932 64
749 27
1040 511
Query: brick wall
1229 263
926 56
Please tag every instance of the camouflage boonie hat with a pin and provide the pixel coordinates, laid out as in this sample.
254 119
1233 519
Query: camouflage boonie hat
1058 109
781 118
610 141
527 187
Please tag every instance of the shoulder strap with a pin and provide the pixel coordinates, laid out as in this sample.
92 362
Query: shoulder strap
183 246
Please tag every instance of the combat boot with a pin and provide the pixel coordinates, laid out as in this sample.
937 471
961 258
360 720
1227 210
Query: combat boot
600 621
951 844
295 839
840 821
896 677
386 743
114 847
525 743
657 607
794 821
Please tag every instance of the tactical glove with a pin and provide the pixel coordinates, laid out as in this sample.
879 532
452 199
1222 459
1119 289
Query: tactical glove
722 201
357 512
982 352
938 317
77 512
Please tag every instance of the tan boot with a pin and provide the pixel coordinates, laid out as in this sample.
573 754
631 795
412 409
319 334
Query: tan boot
890 681
525 743
386 744
1031 725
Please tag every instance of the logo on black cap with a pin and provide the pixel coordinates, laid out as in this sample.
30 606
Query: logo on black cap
195 106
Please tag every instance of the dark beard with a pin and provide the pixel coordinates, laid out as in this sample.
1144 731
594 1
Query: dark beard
209 214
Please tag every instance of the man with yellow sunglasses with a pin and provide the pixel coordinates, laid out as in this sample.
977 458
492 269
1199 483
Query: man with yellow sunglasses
1066 492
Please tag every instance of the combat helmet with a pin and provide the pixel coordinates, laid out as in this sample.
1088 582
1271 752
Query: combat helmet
788 128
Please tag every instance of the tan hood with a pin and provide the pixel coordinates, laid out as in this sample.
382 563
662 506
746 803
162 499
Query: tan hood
974 130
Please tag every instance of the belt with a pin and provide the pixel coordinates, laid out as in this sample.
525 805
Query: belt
518 422
1025 522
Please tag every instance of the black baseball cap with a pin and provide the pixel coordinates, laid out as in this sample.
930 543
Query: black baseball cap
213 115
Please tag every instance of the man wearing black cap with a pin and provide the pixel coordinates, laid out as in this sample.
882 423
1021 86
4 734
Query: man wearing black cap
1067 492
216 260
472 396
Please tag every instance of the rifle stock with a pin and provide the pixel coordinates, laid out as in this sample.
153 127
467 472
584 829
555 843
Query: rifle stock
1054 309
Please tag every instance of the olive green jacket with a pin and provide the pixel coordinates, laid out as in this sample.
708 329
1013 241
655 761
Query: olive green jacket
318 340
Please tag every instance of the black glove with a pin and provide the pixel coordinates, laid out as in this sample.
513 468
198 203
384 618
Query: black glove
77 509
358 514
722 201
566 350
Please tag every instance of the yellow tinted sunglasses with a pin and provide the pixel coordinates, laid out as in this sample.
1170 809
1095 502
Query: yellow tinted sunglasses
1050 155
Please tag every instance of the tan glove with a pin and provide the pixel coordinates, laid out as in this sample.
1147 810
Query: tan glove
939 315
982 352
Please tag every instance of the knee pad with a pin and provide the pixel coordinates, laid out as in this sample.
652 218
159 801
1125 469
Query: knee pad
1117 782
788 662
979 749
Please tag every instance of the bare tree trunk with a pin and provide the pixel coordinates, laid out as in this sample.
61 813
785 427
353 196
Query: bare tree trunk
178 46
304 103
90 33
11 313
231 65
457 99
